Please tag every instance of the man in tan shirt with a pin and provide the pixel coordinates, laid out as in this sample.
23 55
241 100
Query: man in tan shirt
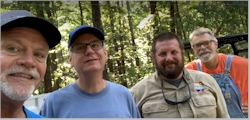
173 91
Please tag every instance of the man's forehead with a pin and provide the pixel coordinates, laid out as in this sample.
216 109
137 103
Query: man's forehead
168 42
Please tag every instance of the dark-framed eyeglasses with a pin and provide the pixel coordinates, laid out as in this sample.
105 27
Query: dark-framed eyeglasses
82 47
205 44
172 102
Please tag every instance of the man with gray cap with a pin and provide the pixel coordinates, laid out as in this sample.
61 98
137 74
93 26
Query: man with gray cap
90 96
25 43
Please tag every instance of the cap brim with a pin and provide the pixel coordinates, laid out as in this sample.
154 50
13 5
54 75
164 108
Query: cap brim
48 30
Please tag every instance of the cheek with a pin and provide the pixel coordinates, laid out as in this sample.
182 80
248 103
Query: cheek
5 62
213 48
179 58
41 68
160 60
196 52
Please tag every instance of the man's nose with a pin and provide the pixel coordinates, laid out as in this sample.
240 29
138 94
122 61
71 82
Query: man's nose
88 49
169 57
27 60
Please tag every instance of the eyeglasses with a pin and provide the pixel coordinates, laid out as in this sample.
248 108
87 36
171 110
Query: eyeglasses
172 102
81 47
205 44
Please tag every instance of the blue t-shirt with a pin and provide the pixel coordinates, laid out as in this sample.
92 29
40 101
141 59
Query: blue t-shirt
114 101
30 114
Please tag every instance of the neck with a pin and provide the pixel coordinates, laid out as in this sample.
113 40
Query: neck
11 108
91 83
212 64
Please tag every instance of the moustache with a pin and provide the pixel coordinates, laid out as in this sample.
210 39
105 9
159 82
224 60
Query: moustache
205 51
170 62
19 69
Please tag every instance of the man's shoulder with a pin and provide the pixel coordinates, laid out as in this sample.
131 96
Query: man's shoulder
196 72
117 87
61 92
191 65
236 59
199 76
120 89
143 82
30 114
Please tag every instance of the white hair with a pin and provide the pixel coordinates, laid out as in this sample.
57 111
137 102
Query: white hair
201 31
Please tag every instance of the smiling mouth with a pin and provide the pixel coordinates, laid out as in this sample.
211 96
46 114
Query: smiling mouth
91 60
204 53
26 76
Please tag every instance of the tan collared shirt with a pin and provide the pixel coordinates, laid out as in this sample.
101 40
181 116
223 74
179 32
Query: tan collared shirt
208 103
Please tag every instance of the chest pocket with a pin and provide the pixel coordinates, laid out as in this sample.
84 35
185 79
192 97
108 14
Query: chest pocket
205 106
154 110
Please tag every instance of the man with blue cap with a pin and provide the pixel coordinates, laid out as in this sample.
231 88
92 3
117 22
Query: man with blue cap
25 43
90 96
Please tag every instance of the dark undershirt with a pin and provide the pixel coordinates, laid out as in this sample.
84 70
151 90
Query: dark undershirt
175 83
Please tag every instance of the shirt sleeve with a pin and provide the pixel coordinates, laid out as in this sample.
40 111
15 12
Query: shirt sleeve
136 112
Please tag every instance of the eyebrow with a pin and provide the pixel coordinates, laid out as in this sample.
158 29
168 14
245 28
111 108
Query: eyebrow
43 48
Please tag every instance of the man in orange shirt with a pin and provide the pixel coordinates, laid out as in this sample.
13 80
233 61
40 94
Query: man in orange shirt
230 71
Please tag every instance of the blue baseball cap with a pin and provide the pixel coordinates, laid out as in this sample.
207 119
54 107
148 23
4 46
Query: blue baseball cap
85 29
23 18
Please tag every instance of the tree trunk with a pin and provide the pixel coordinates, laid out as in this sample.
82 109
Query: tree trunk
96 18
153 11
80 7
247 20
110 61
47 79
218 29
119 63
204 18
121 38
172 16
59 79
137 60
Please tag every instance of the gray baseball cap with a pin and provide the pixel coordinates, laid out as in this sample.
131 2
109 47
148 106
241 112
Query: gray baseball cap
23 18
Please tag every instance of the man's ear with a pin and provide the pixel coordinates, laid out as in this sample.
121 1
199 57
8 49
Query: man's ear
216 44
70 60
105 53
153 57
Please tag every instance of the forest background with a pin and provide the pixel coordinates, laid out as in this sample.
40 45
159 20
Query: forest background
129 27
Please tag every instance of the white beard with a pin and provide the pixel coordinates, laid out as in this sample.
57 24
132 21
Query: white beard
209 56
20 93
18 90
